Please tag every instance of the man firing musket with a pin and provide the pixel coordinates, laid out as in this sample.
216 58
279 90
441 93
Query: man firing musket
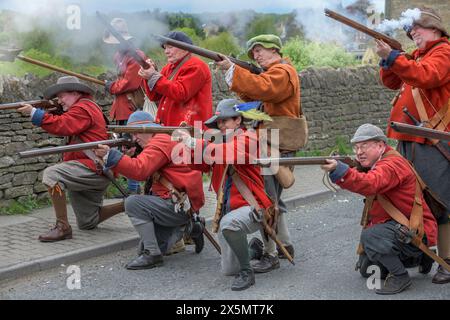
243 206
78 174
398 223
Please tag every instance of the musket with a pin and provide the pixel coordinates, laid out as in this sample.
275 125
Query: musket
440 147
296 161
420 131
272 234
208 53
75 147
12 54
43 104
394 44
141 129
126 45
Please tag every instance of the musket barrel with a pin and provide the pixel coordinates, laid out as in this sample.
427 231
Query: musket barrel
420 131
295 161
61 70
16 105
73 147
355 25
207 53
141 129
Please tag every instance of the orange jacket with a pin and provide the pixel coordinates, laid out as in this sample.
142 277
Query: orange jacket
430 72
278 88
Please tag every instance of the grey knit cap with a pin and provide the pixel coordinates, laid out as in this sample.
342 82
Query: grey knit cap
367 132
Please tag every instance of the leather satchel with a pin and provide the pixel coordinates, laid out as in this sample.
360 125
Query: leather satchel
293 132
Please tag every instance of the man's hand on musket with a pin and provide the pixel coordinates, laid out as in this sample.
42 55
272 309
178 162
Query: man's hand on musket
383 49
147 73
101 151
225 63
331 166
26 109
184 137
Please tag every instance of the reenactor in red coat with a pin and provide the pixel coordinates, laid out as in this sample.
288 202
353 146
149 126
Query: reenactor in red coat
423 82
176 192
278 88
127 90
389 179
183 88
229 159
82 121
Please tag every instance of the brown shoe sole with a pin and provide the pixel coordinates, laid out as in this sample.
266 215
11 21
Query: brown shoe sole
69 236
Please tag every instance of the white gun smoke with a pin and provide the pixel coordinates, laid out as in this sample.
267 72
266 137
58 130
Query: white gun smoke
406 19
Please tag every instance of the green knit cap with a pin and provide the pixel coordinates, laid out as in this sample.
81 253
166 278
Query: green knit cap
268 41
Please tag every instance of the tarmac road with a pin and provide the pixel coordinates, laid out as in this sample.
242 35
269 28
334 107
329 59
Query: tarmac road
325 236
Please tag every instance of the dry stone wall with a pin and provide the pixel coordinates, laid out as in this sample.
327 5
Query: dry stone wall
335 102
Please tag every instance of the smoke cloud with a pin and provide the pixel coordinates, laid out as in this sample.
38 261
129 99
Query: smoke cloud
405 21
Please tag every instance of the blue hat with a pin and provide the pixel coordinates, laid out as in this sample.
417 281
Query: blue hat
179 36
142 118
225 109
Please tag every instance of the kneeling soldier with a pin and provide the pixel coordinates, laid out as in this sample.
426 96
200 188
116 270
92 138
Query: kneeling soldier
390 185
82 121
239 185
176 190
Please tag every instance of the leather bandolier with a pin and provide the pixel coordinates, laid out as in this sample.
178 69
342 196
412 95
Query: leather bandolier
414 225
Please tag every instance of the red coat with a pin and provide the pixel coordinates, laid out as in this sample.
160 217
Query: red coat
431 73
128 81
393 178
185 98
156 156
83 120
250 174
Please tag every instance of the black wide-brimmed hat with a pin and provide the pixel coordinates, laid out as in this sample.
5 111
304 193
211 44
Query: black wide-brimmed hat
67 84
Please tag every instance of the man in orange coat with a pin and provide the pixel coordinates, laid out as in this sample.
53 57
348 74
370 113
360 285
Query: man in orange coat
183 88
424 84
278 87
391 177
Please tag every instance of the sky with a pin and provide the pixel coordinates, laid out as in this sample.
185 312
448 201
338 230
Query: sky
189 6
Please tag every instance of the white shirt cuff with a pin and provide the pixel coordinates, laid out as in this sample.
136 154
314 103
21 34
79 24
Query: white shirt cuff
229 75
32 112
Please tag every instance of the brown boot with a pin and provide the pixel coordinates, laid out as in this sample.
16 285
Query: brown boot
442 276
109 211
59 232
62 229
